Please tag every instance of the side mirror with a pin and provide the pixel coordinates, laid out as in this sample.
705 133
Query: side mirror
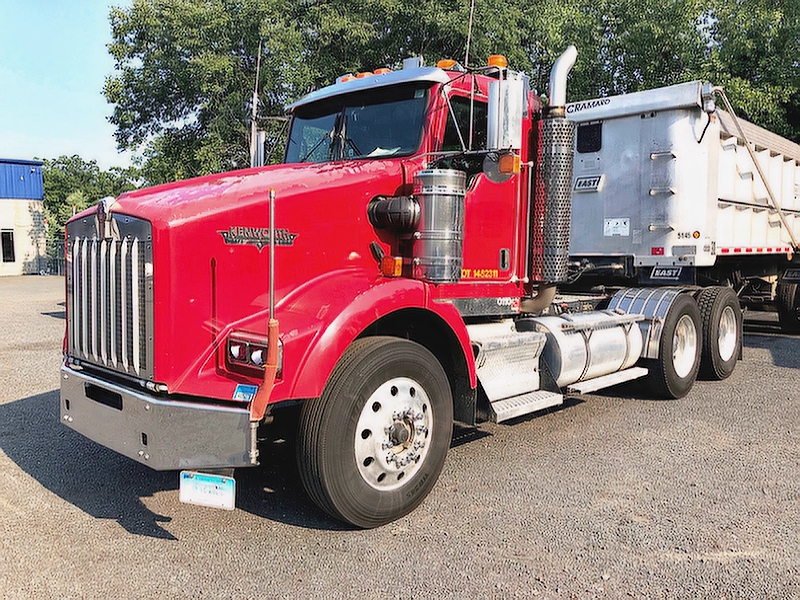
507 105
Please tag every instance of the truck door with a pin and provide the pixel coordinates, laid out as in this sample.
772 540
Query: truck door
490 210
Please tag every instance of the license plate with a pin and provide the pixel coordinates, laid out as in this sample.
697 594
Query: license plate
205 489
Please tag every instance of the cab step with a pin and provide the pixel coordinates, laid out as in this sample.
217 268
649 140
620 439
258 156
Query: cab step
524 404
507 364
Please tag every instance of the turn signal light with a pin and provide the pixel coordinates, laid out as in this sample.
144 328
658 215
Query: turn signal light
497 60
392 266
508 163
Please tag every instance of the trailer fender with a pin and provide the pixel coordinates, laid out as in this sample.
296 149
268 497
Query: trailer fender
320 320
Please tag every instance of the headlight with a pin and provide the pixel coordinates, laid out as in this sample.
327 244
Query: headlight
247 353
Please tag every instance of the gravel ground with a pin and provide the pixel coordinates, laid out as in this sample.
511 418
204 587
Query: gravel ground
610 496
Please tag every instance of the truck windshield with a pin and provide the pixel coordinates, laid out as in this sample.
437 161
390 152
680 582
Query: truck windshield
372 124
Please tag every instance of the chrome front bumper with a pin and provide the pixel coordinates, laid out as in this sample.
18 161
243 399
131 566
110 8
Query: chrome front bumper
162 434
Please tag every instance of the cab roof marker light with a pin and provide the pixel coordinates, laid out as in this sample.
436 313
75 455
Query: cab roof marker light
363 74
381 71
497 60
446 63
344 78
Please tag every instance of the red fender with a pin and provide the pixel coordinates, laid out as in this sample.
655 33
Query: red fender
321 318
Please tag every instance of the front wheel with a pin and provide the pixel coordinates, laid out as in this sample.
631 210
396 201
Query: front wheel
372 446
674 372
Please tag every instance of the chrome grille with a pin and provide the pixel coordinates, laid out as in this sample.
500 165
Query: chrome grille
110 295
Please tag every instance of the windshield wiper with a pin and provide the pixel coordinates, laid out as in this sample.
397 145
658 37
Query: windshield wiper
328 135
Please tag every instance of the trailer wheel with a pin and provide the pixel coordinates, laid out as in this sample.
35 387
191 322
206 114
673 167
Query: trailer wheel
721 318
788 307
372 446
675 371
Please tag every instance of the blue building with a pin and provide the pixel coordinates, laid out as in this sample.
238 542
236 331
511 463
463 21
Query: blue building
22 223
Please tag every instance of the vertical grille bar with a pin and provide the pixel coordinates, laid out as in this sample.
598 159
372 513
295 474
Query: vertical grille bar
103 301
135 305
112 275
84 301
73 296
93 318
124 300
110 295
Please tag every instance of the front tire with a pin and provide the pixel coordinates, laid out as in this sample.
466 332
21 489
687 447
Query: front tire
674 372
721 318
370 449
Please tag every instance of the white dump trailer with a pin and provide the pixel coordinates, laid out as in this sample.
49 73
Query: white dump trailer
670 190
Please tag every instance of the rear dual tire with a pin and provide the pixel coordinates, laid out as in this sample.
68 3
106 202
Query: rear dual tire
721 318
788 300
675 370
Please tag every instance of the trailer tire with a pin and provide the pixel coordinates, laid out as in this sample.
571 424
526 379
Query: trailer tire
675 370
788 300
371 447
721 318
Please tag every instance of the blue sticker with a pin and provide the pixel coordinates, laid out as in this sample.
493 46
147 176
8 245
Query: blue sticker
245 393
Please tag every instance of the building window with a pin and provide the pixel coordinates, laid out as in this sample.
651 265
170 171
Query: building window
7 244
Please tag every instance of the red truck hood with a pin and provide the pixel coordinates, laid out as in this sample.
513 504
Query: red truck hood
173 203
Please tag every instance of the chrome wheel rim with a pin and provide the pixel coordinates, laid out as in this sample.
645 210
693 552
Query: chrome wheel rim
392 434
684 346
728 335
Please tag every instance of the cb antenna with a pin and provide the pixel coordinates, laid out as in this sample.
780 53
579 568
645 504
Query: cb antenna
254 153
469 33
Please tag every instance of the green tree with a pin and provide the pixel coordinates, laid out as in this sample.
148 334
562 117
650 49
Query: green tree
71 184
753 52
185 69
185 72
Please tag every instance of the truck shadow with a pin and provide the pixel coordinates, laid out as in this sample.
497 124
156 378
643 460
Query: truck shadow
106 485
784 348
273 491
98 481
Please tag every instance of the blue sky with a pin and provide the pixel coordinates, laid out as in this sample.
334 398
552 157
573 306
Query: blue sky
53 63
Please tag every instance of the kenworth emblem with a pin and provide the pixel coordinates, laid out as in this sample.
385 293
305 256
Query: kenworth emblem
256 236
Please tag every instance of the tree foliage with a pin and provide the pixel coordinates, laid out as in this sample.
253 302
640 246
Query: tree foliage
754 53
72 184
186 69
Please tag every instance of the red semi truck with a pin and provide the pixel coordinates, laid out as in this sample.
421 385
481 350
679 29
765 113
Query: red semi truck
395 274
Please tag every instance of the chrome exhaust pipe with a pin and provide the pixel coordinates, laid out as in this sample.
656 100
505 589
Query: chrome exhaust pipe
557 100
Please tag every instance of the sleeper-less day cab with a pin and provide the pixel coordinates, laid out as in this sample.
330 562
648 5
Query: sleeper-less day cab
394 275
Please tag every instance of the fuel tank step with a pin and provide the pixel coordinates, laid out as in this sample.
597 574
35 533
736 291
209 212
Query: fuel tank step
524 404
507 361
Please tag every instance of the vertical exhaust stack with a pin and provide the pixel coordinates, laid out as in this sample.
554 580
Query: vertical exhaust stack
551 226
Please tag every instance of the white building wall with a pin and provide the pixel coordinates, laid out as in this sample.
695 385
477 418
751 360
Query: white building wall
25 220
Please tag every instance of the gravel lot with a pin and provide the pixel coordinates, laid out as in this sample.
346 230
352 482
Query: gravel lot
608 497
